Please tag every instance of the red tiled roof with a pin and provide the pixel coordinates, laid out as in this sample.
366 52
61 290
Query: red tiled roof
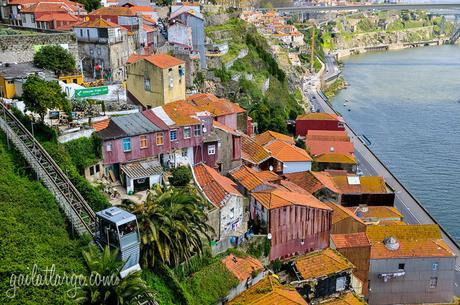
182 113
348 298
250 179
313 181
269 136
320 116
351 240
327 135
276 198
323 147
113 11
216 187
242 267
100 125
253 152
225 128
142 9
321 263
285 152
162 61
267 292
216 106
57 17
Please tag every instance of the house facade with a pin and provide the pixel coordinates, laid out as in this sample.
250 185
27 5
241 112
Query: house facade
318 121
288 158
155 80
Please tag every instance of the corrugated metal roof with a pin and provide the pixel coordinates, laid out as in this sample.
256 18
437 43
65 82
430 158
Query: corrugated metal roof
112 131
142 168
135 124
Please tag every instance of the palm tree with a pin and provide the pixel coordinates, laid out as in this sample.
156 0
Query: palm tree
172 223
105 286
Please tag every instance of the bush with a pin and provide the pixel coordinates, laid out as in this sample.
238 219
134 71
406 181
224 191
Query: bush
181 176
84 152
55 58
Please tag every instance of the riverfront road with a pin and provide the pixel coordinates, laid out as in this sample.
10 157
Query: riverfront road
412 210
377 7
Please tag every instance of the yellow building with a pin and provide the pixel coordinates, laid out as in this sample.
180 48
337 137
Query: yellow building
155 80
71 78
13 75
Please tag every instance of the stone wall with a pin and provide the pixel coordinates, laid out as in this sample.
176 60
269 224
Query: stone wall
20 48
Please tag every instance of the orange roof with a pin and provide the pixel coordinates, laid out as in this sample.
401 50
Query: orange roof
327 135
182 113
113 11
285 152
250 179
242 267
269 291
345 299
350 240
149 19
413 240
366 184
341 213
253 152
313 181
335 158
142 9
57 17
277 198
216 187
269 136
322 116
322 263
217 106
48 7
292 187
322 147
225 128
162 61
99 125
377 212
97 23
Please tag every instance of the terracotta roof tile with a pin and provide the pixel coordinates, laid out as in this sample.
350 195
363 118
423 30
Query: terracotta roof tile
113 11
269 291
250 178
216 187
182 113
225 128
253 152
409 232
216 106
323 147
269 136
321 264
335 158
276 198
58 17
320 116
164 61
285 152
340 213
350 240
97 23
377 213
313 181
142 9
327 135
367 185
98 126
242 267
345 299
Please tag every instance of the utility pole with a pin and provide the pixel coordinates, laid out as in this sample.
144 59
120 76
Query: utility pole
312 51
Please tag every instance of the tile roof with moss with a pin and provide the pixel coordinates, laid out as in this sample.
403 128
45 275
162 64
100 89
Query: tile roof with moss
322 116
250 178
242 267
335 158
342 213
253 152
327 135
313 181
348 298
320 264
377 213
269 291
366 185
217 106
269 136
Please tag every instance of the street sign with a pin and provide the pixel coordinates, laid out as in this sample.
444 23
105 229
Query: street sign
91 91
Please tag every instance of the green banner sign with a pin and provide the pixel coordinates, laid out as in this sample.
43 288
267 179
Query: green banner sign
91 91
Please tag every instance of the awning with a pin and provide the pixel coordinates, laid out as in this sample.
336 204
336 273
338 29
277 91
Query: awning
142 168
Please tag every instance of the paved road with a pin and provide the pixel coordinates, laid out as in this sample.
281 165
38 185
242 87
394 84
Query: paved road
412 210
376 7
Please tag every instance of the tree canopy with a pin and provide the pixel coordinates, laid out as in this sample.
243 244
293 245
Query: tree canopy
39 95
55 58
181 176
90 5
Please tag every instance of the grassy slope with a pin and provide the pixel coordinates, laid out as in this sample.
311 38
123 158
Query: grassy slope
32 231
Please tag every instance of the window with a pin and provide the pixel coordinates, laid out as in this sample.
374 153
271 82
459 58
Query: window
401 266
160 137
232 213
143 141
187 132
146 84
197 130
108 147
341 283
435 266
97 168
87 33
126 144
173 135
171 82
184 152
433 282
211 149
91 170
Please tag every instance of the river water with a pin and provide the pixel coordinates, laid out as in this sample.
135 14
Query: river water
407 103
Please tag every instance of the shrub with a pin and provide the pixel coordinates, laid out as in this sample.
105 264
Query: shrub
181 176
55 58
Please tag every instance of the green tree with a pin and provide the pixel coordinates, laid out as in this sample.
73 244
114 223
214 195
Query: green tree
90 5
106 265
172 224
181 176
55 58
39 95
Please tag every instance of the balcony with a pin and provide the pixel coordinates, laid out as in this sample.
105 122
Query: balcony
101 40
